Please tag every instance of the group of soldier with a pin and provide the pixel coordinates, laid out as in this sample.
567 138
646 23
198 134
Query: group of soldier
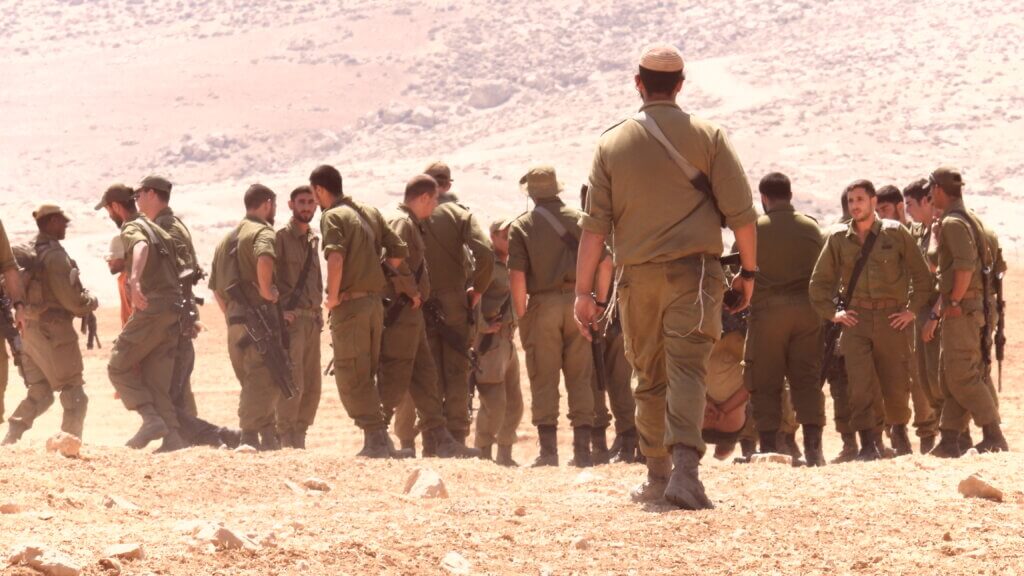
423 309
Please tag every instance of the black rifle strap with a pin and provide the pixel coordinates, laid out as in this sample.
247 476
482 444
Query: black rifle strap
300 284
570 241
858 266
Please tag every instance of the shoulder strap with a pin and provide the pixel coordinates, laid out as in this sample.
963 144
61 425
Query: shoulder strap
166 255
858 267
567 237
300 284
365 224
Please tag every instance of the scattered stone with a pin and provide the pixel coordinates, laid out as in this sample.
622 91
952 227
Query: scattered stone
297 526
294 488
227 539
585 477
771 458
245 449
947 537
45 515
119 502
970 453
425 483
974 486
125 551
11 508
49 562
455 563
317 484
111 565
68 445
190 527
520 511
581 543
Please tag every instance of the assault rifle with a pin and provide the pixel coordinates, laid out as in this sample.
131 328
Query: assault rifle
1000 338
90 330
10 331
598 347
265 327
437 321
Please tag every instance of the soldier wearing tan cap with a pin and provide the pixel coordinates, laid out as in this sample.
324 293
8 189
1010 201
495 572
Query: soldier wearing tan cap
664 182
10 287
54 296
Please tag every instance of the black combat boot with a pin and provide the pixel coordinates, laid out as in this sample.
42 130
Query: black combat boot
883 450
14 432
229 437
487 452
299 438
446 446
249 438
685 489
152 428
75 404
505 457
628 447
375 444
599 446
724 449
653 489
868 446
459 436
787 445
767 440
287 439
547 436
992 440
428 447
927 443
901 440
965 441
813 454
948 446
397 453
409 445
171 442
850 449
748 448
581 455
269 441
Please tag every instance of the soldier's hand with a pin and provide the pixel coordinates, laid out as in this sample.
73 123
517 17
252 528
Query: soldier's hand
901 320
744 286
846 318
289 317
270 295
139 300
473 297
417 301
331 302
928 332
586 312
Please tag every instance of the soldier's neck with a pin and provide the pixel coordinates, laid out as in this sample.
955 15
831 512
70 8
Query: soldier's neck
300 225
864 226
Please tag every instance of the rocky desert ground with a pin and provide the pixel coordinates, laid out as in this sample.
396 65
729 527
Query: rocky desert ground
218 94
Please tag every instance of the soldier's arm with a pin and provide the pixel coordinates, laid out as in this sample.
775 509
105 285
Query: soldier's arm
264 250
335 242
402 279
518 265
483 254
140 256
66 288
921 284
824 281
731 188
394 247
956 237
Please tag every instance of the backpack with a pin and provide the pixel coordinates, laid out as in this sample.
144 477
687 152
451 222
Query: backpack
30 256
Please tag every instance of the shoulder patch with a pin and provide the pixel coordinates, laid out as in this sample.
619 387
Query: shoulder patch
837 228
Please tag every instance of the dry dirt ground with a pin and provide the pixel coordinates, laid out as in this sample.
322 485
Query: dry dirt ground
898 516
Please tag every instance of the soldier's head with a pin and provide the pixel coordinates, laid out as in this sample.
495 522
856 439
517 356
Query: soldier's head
919 201
860 197
441 173
661 73
51 220
775 189
421 195
499 237
153 194
119 201
946 186
302 204
325 181
541 183
261 203
890 203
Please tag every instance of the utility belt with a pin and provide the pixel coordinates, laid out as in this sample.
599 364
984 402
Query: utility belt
875 303
347 296
306 312
689 259
565 288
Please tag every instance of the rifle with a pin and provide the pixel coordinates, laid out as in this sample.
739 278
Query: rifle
487 341
842 301
437 320
263 323
89 329
598 346
1000 338
10 331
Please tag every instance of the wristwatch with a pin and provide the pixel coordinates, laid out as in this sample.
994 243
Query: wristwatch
954 303
748 274
932 315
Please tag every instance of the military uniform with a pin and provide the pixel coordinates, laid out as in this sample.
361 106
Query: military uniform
926 354
619 395
294 247
52 359
784 334
7 263
449 231
895 278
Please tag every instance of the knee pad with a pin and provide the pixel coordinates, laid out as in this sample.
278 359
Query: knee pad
73 398
41 394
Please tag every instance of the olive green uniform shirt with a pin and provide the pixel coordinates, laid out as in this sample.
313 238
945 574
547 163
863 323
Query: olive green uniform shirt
160 276
448 231
410 229
788 245
60 284
535 248
292 246
497 296
184 248
895 269
359 233
957 250
640 194
7 261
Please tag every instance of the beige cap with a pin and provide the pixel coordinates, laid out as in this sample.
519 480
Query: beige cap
45 210
541 182
499 225
948 178
439 170
661 58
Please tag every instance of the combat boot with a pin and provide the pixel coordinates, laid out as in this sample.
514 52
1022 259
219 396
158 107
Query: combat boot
724 449
375 444
459 436
927 443
487 452
884 451
446 446
229 437
868 446
627 449
581 456
286 439
547 437
397 453
965 441
505 456
748 448
948 446
299 438
428 447
75 404
685 489
787 445
250 438
850 449
269 442
768 441
410 445
153 428
14 432
172 442
813 454
901 440
599 446
992 440
653 489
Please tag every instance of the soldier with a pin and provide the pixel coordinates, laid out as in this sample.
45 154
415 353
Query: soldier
355 238
457 283
300 280
542 267
965 259
247 257
152 197
893 284
891 205
497 380
54 296
667 242
10 287
142 362
784 335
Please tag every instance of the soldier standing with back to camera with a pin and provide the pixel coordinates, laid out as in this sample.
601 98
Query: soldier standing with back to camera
52 360
665 200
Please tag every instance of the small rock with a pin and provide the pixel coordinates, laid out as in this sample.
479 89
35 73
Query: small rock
45 515
585 477
297 526
125 551
974 486
520 511
302 566
970 452
119 502
11 508
947 537
68 445
227 539
425 483
581 543
245 449
772 458
49 562
294 488
316 484
455 563
111 565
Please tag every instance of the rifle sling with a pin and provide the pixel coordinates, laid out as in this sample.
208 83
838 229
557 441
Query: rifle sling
858 267
981 243
300 284
571 241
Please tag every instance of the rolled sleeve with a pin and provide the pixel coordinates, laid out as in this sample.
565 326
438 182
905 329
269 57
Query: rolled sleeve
265 244
598 213
333 231
394 246
518 257
730 186
957 238
824 278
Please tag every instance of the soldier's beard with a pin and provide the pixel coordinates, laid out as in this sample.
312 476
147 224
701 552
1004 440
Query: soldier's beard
302 217
117 220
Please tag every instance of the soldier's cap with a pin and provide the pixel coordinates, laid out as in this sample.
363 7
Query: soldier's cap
541 182
946 177
439 170
45 210
661 57
116 193
499 225
155 182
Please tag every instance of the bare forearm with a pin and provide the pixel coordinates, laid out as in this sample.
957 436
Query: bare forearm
587 261
746 242
961 282
265 274
335 268
140 255
605 273
517 287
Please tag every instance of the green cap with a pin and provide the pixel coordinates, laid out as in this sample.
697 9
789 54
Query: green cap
541 182
947 178
154 182
116 193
